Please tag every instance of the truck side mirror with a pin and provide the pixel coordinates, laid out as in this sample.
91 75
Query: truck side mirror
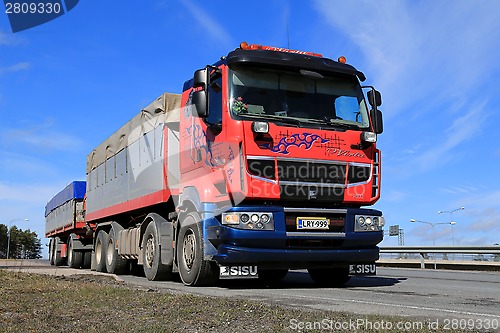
201 78
374 98
200 101
378 121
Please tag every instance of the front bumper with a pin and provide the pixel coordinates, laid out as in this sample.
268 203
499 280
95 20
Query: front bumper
282 249
296 259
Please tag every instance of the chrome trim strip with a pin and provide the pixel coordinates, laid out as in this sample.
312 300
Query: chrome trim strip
291 159
316 234
314 210
255 157
262 178
311 184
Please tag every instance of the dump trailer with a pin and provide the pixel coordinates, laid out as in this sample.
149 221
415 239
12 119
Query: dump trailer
70 236
266 162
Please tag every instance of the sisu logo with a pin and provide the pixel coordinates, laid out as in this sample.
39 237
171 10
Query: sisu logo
27 14
305 140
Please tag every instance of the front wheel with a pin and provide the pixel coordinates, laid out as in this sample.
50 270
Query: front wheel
194 270
330 277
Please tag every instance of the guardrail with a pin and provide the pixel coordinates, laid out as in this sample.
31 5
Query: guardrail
424 250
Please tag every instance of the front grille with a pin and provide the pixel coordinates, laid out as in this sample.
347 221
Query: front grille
358 174
311 172
261 168
300 192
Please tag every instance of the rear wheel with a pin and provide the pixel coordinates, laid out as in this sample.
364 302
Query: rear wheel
51 252
75 258
194 270
330 277
114 263
58 260
87 259
154 269
100 251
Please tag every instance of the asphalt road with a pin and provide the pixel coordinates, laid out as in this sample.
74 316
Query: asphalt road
413 293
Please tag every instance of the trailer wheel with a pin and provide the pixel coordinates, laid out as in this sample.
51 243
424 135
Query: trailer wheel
87 259
330 277
75 258
51 252
115 264
193 269
151 256
58 260
100 251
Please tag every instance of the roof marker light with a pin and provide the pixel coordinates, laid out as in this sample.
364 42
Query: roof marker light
342 59
246 46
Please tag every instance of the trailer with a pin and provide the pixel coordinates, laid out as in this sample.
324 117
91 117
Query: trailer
66 227
263 164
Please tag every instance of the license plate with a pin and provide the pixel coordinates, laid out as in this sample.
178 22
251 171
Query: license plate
241 272
313 223
363 269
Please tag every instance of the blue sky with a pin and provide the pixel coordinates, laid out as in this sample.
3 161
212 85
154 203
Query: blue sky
68 84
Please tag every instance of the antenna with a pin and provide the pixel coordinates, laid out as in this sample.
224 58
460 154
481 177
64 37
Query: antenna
287 31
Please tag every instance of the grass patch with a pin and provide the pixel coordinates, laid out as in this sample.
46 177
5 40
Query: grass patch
39 303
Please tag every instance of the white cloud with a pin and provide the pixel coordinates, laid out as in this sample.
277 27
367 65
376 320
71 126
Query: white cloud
462 129
420 52
7 38
41 137
27 194
213 28
21 66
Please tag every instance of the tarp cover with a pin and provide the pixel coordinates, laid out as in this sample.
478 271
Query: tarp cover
156 113
75 190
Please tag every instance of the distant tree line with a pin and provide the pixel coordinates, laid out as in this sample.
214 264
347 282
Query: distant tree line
24 244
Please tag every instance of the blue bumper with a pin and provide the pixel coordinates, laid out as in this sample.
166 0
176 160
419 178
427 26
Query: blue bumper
279 249
293 258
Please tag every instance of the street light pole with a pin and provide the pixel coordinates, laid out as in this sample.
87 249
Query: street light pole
451 220
8 235
433 225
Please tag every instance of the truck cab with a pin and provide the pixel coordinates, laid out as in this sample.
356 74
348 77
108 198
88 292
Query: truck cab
277 157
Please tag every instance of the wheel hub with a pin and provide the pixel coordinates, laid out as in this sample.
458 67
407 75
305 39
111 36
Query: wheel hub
150 251
189 249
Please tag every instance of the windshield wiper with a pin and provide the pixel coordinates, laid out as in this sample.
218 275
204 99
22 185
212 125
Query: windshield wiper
278 118
338 122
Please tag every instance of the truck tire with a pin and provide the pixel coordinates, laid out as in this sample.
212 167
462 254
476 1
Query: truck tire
193 269
87 259
58 260
75 258
151 256
330 277
51 252
100 251
115 264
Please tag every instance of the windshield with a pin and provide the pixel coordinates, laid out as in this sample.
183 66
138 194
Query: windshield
307 97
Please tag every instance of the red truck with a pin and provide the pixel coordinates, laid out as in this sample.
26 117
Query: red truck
263 164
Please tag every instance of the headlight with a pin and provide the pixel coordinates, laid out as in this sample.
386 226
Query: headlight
368 223
249 221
